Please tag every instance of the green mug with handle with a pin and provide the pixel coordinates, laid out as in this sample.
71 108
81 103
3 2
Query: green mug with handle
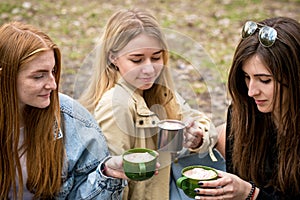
191 175
139 164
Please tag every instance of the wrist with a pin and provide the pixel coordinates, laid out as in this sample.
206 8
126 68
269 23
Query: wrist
252 191
103 169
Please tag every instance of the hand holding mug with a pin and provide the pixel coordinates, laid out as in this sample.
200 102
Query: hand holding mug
114 167
140 163
192 175
227 186
193 134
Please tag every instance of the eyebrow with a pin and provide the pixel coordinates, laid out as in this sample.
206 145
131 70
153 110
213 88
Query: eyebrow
268 75
41 71
139 54
256 75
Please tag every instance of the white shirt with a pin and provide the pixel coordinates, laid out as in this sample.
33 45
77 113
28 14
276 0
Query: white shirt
26 193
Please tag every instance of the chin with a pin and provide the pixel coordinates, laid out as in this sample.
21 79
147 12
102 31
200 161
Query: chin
41 106
264 110
146 87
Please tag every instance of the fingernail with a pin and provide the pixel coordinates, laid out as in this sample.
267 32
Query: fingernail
196 190
200 183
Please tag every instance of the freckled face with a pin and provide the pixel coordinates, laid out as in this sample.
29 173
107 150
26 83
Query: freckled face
140 62
36 81
260 84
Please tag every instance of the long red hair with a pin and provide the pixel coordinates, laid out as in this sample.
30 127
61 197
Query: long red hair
19 44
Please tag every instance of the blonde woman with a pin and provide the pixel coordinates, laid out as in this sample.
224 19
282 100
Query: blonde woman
132 90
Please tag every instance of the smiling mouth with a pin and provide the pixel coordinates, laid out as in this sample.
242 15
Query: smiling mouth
45 95
259 102
147 79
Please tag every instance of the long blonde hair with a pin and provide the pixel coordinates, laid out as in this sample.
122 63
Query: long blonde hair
20 43
120 29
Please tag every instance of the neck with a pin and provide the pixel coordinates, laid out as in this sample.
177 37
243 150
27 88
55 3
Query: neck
276 117
139 92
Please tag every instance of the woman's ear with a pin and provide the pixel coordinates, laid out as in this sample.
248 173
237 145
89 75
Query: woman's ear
112 58
113 61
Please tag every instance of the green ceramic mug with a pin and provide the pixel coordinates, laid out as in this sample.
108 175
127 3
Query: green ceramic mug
140 163
191 175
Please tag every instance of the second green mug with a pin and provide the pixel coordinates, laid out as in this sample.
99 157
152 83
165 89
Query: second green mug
191 175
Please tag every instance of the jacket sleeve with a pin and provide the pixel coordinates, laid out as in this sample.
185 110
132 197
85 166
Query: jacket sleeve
210 135
86 151
94 185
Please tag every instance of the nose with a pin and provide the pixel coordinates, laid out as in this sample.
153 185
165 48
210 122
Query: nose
51 83
253 89
148 68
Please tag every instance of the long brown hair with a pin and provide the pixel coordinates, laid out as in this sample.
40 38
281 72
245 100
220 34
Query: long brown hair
20 43
253 131
121 28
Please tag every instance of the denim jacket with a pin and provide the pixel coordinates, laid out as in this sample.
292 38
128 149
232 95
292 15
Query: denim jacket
86 151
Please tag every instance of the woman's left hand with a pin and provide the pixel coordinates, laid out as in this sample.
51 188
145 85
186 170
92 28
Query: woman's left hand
227 186
114 167
193 135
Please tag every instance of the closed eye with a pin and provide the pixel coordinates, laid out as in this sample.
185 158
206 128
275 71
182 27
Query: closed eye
136 60
156 58
266 81
38 76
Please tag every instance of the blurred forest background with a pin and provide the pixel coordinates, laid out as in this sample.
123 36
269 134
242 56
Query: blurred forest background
208 30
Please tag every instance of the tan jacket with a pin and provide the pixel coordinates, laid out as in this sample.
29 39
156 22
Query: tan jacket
127 123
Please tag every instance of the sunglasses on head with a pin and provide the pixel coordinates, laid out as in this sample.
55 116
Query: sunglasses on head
266 35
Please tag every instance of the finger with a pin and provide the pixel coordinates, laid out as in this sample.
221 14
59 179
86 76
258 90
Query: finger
188 144
194 131
220 173
115 162
157 168
157 165
188 137
115 173
210 191
193 140
191 144
211 183
189 122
